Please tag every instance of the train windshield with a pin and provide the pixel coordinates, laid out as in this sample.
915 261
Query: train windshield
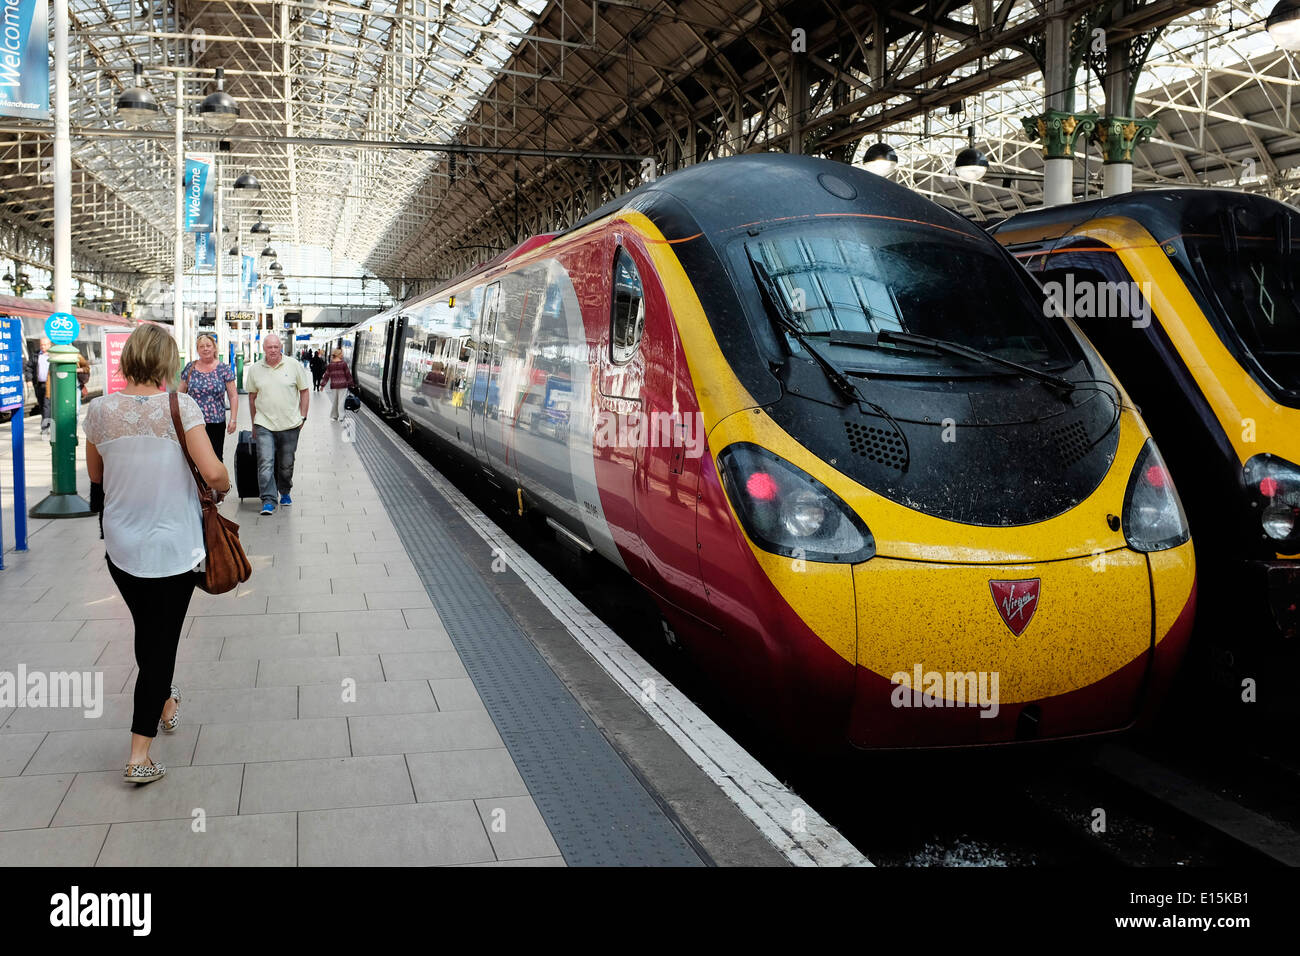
1256 289
869 275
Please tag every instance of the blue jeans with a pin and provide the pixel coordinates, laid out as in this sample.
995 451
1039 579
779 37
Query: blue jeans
275 451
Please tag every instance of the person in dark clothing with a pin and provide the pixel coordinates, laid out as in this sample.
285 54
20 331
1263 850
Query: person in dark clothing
317 369
38 372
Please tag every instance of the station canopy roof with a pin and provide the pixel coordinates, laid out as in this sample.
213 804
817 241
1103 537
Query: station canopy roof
551 103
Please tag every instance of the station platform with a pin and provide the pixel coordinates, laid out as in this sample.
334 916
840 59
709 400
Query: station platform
397 684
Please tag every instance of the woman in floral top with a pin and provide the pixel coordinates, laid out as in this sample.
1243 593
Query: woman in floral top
209 382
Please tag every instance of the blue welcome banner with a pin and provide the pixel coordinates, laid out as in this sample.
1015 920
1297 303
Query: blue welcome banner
205 256
198 191
270 296
24 59
248 276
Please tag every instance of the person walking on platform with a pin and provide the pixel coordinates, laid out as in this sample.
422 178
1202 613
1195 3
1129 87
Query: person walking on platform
317 369
153 532
212 384
38 372
83 378
279 395
339 378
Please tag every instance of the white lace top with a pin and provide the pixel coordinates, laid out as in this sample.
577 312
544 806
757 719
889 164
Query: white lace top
152 522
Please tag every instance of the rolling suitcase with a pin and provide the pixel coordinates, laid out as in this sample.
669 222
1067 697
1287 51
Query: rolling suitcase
246 466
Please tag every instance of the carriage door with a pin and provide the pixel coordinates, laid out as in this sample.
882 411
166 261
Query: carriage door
400 332
484 401
621 431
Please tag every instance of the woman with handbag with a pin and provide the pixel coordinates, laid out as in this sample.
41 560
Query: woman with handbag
153 531
339 377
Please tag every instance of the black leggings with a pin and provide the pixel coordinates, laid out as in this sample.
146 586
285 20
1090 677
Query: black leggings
158 607
217 435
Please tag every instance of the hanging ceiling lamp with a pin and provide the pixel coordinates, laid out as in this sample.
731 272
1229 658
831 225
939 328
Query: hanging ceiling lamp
219 110
1283 24
137 105
881 159
248 181
971 165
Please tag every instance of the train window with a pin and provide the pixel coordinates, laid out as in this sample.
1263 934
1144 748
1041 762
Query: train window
1256 293
1087 286
627 318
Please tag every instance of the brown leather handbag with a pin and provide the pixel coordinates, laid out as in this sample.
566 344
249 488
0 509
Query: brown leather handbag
227 566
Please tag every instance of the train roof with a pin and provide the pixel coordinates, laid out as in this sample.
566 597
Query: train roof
728 193
1165 213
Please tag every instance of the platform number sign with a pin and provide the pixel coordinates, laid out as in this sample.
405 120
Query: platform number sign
62 328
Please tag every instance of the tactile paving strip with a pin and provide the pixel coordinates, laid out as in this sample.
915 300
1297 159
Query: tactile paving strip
597 810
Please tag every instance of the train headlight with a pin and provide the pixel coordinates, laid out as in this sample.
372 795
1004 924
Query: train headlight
1153 515
787 511
803 513
1273 485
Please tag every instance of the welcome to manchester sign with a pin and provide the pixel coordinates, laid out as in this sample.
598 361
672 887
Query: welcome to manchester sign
24 59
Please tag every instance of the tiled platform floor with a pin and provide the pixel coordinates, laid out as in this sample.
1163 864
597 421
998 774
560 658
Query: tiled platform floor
271 765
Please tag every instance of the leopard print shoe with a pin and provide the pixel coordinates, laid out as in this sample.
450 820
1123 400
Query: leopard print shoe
169 726
142 773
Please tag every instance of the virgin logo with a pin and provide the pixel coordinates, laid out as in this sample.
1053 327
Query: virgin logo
1016 601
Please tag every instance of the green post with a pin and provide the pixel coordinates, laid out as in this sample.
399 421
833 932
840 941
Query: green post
63 500
239 371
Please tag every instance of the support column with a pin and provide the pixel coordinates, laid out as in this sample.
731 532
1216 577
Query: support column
879 43
178 266
219 321
1119 133
63 500
62 164
797 101
1118 137
1059 131
1059 126
735 126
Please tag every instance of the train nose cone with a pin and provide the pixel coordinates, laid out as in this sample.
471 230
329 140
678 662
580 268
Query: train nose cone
992 653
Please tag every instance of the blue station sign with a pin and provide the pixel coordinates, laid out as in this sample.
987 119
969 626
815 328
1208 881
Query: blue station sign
11 363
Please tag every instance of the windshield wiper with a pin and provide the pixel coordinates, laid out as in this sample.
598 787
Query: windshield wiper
873 340
787 323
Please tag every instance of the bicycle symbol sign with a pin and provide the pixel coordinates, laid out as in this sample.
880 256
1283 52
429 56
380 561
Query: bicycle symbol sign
61 328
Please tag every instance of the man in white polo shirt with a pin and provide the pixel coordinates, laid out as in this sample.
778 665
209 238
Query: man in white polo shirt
279 395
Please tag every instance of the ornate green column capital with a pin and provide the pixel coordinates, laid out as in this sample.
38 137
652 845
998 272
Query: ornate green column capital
1059 130
1118 136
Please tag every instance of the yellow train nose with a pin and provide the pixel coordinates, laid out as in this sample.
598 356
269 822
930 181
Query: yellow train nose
966 650
1073 627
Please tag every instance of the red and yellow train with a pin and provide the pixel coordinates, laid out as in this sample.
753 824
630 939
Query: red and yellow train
877 490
